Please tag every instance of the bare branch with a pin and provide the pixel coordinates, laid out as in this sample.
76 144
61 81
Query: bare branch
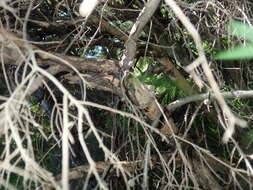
231 119
144 16
209 96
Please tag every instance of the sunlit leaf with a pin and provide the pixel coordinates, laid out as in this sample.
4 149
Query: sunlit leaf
241 52
241 30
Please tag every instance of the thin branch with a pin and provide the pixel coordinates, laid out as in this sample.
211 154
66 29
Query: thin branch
231 119
207 96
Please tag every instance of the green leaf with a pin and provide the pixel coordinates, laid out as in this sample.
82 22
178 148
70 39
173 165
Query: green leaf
241 30
241 52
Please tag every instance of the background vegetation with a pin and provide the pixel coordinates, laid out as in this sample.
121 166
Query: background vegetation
138 95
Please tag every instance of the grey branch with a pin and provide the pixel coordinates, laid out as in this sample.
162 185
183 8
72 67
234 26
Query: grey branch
143 18
201 97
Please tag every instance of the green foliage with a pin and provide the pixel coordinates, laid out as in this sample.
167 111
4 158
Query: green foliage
127 26
244 51
241 52
237 103
167 13
241 30
163 86
194 50
249 135
36 108
208 47
142 65
246 141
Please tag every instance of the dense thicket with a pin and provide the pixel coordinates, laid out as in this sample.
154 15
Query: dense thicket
124 99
